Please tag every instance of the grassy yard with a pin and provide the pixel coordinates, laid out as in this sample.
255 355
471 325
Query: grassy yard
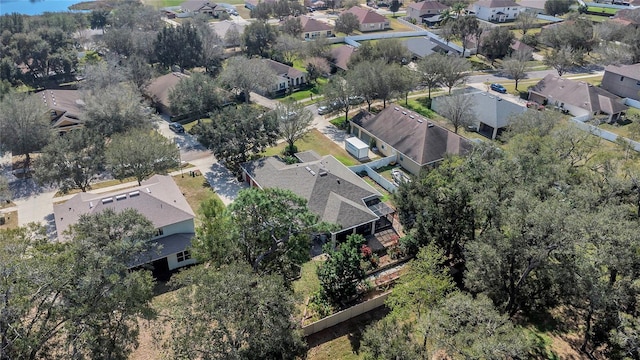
10 220
307 285
397 26
421 106
162 3
319 143
602 10
195 189
99 185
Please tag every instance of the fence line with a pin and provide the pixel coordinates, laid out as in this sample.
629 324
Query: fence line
604 134
632 103
370 169
345 315
610 6
549 18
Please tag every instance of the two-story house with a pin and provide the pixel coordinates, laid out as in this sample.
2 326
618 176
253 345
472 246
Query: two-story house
288 78
160 200
496 10
419 11
369 19
623 80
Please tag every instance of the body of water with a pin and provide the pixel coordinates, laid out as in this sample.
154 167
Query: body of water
35 7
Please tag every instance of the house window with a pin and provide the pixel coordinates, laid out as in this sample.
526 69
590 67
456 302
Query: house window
621 78
183 256
159 232
638 83
281 86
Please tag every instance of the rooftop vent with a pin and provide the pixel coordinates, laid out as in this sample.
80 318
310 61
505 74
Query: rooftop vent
420 121
499 99
90 204
411 116
312 172
107 200
430 124
148 190
404 113
121 197
396 109
322 173
307 168
134 193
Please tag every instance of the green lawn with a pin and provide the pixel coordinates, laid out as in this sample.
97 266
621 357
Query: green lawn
420 105
319 143
195 189
602 10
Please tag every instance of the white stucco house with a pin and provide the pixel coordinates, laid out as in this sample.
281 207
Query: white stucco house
496 10
160 200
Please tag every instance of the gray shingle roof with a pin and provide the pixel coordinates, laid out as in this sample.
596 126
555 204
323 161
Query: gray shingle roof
284 69
159 199
491 109
630 71
580 94
496 3
161 86
342 55
422 46
412 135
333 192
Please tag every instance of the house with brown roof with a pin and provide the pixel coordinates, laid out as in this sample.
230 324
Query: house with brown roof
160 88
623 80
425 9
194 7
333 192
65 108
578 98
416 141
221 28
313 28
369 19
160 200
341 56
288 78
496 10
627 17
251 4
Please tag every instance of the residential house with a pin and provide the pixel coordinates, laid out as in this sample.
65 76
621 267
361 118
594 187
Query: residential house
289 78
195 7
493 113
496 10
623 80
534 6
578 98
221 28
415 140
420 47
313 29
160 88
427 9
65 108
629 18
160 200
369 19
341 56
333 192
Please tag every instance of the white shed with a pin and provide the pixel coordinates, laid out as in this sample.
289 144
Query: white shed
357 148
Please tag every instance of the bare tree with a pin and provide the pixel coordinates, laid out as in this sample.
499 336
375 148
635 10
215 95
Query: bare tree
294 121
431 69
5 191
525 21
515 65
458 109
560 59
289 47
247 75
24 125
454 72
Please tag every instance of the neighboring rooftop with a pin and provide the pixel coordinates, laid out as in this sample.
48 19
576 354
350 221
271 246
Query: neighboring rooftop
284 69
427 5
366 16
159 199
310 24
412 134
579 93
630 71
333 192
195 5
342 55
496 3
222 27
160 87
67 105
423 46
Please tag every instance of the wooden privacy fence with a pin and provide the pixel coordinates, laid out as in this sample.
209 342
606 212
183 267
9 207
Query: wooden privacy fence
345 315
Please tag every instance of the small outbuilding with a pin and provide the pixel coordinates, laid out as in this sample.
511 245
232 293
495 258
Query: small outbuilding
357 148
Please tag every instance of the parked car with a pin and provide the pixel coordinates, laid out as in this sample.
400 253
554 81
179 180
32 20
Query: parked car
355 100
176 127
499 88
322 110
